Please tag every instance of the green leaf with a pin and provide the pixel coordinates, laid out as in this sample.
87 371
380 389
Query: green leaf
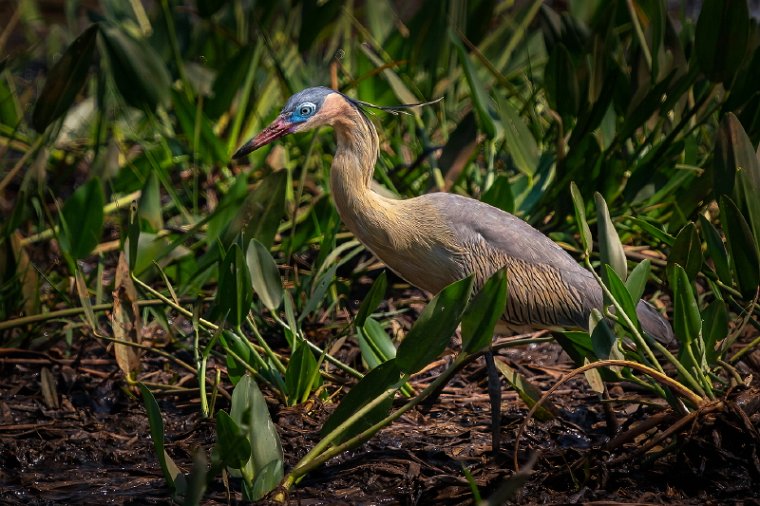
433 329
197 480
481 315
519 140
375 345
259 217
580 218
249 410
721 38
172 474
529 393
686 252
610 248
191 119
499 194
319 290
480 99
653 230
373 298
234 293
65 80
138 72
561 82
232 445
594 378
82 219
299 376
637 279
377 381
714 329
741 245
150 203
621 294
716 250
687 321
602 338
576 344
265 277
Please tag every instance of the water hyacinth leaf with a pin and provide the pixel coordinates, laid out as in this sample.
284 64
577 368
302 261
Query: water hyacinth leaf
519 140
172 474
637 279
480 99
378 380
741 246
561 82
621 294
232 445
686 251
259 216
249 410
687 322
580 218
82 218
499 194
610 248
65 80
373 298
716 250
138 72
714 329
300 375
737 171
149 208
234 293
721 38
433 329
528 392
375 345
481 315
265 277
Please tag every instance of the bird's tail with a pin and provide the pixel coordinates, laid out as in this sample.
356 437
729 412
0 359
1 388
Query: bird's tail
653 323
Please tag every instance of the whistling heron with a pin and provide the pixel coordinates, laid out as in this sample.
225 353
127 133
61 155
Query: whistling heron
438 238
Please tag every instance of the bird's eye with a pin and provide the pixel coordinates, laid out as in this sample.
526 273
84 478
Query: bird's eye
306 109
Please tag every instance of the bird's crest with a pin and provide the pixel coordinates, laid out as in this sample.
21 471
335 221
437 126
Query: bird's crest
393 109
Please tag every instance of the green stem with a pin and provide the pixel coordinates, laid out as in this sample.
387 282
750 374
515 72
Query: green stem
639 34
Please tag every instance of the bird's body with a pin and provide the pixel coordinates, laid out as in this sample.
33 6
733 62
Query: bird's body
436 239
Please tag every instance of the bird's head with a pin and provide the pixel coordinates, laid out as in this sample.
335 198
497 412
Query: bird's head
305 110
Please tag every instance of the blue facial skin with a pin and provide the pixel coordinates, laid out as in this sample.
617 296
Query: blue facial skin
304 104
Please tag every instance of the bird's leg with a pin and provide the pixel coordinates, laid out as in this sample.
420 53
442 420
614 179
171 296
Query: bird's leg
494 394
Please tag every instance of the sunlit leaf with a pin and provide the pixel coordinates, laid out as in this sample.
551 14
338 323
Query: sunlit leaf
610 248
481 315
265 277
375 345
372 299
620 293
637 279
150 203
580 218
519 140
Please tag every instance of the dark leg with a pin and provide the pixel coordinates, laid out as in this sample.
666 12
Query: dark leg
494 394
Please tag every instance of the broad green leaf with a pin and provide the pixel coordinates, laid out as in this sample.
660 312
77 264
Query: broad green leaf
480 99
138 71
576 344
737 171
65 80
150 203
172 474
561 82
621 294
9 104
232 445
265 277
610 248
234 293
299 376
319 290
249 410
714 329
716 250
686 251
375 345
602 337
637 279
82 219
481 315
259 217
499 194
372 299
267 479
519 140
594 378
721 38
741 245
687 321
580 218
529 393
152 248
432 331
377 381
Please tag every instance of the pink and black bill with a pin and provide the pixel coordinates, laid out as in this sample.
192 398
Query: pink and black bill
278 128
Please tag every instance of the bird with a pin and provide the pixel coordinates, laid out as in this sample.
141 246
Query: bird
435 239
